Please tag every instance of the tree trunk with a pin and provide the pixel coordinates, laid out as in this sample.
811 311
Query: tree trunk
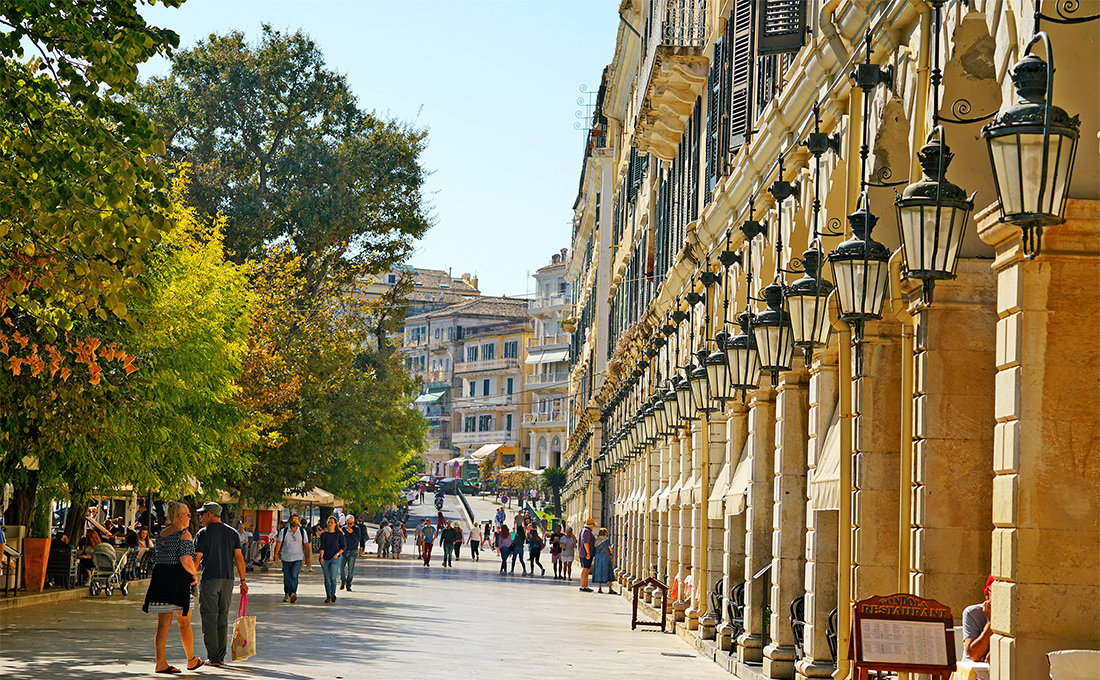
242 503
76 520
557 500
21 509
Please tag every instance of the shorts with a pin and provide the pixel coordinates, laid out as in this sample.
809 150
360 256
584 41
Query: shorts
586 563
555 558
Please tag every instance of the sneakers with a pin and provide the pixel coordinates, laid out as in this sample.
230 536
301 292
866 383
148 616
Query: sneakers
334 598
341 586
286 598
293 598
543 571
348 588
586 590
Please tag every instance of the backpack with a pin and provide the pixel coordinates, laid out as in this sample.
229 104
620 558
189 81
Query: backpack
302 529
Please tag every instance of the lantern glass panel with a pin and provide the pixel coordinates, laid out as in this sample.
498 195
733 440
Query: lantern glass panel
718 379
809 319
774 346
1018 166
924 252
699 392
661 414
683 401
861 287
672 409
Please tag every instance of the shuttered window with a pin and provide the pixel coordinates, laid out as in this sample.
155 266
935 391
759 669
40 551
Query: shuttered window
739 38
782 26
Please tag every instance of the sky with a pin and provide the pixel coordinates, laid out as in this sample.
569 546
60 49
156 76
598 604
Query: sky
496 82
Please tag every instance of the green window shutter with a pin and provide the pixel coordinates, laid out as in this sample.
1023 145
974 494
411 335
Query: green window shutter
782 26
739 36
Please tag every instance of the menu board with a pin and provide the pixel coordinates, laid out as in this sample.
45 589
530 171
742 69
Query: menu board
911 643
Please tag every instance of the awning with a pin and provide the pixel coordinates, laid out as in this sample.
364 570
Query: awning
685 491
485 451
665 496
739 482
659 501
825 485
432 395
716 503
548 357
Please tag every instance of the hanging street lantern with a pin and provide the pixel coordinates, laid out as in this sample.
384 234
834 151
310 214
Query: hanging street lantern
718 375
700 391
683 396
1032 145
860 269
742 357
659 413
772 330
650 417
807 303
672 405
932 217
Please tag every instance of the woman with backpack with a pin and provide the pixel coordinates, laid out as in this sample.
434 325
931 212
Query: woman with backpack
534 548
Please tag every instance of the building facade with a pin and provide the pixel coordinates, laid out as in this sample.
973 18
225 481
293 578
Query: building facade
939 421
546 384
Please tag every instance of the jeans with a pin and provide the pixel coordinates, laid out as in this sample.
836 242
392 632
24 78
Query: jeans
533 558
347 566
214 597
448 550
290 576
517 551
331 568
474 554
426 550
504 551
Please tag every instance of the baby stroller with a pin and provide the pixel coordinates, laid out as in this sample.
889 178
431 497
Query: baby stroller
107 572
259 553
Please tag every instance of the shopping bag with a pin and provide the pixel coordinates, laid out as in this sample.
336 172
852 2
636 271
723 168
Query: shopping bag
244 632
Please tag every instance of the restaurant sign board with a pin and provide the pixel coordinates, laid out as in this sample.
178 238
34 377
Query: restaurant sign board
902 633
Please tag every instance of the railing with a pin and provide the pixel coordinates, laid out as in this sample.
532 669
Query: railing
487 437
546 378
540 418
486 365
555 339
548 302
482 401
675 23
432 376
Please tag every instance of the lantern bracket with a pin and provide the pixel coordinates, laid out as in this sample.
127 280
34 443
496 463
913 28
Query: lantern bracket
1063 8
959 109
728 258
882 175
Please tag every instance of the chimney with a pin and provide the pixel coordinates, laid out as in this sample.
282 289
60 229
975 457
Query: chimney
473 282
564 252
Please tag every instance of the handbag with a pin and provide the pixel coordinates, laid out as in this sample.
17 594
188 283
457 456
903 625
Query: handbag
244 632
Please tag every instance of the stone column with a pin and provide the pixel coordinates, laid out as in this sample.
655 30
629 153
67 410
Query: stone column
1046 509
789 514
821 526
953 432
733 536
876 470
684 542
672 546
714 526
697 512
758 521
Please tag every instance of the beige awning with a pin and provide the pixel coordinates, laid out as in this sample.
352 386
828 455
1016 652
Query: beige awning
825 484
685 490
485 451
659 502
716 502
739 482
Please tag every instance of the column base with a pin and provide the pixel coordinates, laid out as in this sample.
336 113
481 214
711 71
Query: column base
692 616
779 661
647 595
723 635
679 610
750 648
707 627
812 668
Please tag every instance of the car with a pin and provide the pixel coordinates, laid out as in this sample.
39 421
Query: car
468 488
430 482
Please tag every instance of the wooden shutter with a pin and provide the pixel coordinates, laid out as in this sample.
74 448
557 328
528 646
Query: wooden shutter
739 37
714 114
782 26
631 173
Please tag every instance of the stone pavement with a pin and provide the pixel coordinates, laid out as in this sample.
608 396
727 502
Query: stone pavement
400 621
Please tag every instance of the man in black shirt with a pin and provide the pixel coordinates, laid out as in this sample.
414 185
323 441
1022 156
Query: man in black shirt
217 548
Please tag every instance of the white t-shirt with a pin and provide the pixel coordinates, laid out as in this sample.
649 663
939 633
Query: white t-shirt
291 550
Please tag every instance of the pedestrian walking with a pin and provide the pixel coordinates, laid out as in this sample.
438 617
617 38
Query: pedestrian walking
332 546
519 536
568 550
352 541
475 543
504 546
421 493
382 539
217 551
291 548
398 541
440 523
171 589
458 535
534 549
555 553
447 538
602 571
420 539
428 536
587 548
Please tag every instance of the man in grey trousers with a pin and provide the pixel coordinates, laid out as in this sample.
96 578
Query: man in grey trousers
217 548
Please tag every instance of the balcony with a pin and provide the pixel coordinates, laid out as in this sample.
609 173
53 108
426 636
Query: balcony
548 340
672 76
488 437
432 376
487 365
544 418
544 305
482 402
546 379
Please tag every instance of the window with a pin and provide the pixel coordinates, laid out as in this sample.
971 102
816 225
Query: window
391 279
424 333
470 424
511 349
484 423
510 390
485 388
447 364
471 353
451 333
508 422
437 334
487 351
460 384
473 389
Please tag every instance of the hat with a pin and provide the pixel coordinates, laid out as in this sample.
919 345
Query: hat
211 507
988 584
590 522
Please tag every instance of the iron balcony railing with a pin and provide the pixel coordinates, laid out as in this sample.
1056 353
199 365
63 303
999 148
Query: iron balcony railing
546 379
672 23
486 365
546 340
485 437
542 418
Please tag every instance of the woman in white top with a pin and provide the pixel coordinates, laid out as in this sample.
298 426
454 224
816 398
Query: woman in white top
568 550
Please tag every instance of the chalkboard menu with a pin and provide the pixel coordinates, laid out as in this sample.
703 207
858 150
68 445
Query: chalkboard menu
902 633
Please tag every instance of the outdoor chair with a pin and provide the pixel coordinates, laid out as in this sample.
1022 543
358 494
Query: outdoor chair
830 635
798 622
716 601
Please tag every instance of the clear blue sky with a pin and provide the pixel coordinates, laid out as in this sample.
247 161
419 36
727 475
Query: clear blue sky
495 81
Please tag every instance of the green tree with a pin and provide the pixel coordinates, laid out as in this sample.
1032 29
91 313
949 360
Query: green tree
554 478
281 149
81 198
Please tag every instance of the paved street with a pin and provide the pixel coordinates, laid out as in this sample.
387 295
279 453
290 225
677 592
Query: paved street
400 621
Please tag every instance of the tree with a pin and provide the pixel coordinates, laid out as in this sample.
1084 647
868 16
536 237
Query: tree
554 478
281 149
82 199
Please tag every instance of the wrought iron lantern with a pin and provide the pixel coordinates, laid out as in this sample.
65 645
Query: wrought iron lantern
1032 145
742 357
660 413
807 302
718 375
772 330
650 417
683 395
932 216
860 269
700 391
672 405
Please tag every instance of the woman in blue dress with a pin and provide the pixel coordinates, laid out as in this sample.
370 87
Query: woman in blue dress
602 571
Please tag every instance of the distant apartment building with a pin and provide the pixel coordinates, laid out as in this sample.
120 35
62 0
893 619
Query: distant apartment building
432 289
547 380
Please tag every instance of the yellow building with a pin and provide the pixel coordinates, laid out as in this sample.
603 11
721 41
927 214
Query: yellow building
941 421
